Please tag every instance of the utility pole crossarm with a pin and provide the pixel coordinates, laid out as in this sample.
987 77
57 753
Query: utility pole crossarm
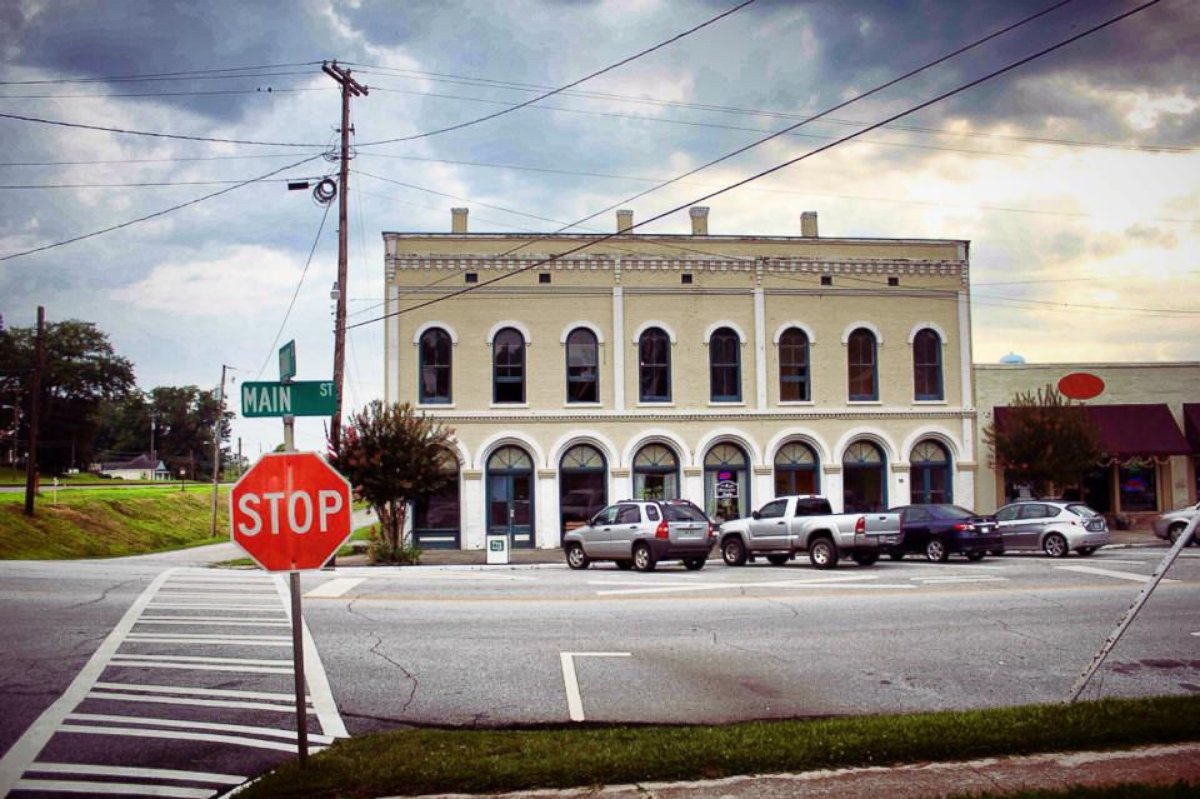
350 88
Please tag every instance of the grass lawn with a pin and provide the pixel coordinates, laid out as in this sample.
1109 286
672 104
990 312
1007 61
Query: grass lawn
107 522
417 761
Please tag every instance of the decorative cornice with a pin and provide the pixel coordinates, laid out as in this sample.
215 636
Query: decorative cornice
789 415
758 266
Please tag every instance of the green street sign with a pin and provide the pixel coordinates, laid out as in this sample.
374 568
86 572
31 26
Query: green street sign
301 398
287 360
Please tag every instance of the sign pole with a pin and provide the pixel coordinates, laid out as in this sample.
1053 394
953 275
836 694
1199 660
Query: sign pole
289 445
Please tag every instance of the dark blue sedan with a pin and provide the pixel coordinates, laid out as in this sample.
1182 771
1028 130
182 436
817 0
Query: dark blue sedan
938 531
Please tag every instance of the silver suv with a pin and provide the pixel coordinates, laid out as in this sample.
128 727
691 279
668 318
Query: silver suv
639 533
1169 525
1052 526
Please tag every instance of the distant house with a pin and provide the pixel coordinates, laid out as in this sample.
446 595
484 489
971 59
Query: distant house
143 467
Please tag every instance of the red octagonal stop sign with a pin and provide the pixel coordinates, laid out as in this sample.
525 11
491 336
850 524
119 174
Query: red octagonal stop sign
291 511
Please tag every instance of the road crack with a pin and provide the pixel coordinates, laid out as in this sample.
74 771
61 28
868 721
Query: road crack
374 650
103 596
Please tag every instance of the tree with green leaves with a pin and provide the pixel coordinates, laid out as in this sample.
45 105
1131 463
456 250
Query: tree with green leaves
393 456
1045 440
81 371
182 418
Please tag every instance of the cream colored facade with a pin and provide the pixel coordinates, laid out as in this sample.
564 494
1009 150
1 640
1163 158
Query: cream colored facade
691 287
1173 385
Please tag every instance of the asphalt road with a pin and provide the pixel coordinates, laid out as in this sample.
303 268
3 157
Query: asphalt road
183 673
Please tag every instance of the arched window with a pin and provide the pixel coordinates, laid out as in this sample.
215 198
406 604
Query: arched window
863 484
582 485
508 366
864 369
796 470
434 350
583 372
724 366
726 483
654 366
655 473
793 366
927 366
437 517
932 481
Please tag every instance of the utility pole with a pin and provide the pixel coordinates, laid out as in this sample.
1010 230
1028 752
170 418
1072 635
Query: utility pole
217 447
35 402
350 88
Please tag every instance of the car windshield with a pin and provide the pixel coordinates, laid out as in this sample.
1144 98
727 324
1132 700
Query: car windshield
1082 510
684 513
949 512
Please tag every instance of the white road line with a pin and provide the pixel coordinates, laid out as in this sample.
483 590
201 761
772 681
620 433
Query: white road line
1137 578
212 621
212 726
574 700
113 788
181 735
959 580
228 693
42 767
239 595
198 606
22 753
335 588
201 659
275 639
181 701
320 694
152 664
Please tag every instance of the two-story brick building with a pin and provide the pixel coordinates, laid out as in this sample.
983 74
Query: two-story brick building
721 369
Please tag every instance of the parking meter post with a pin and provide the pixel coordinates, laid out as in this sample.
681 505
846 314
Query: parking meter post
1183 540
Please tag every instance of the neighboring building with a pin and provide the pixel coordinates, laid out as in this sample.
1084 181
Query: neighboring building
1149 423
721 369
143 467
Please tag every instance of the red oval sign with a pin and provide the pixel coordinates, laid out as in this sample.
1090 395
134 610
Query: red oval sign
1081 386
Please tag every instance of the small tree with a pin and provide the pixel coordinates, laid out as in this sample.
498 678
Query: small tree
393 456
1045 439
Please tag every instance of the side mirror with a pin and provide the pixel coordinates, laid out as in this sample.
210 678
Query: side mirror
755 515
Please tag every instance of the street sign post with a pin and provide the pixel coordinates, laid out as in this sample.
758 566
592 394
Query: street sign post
298 398
290 512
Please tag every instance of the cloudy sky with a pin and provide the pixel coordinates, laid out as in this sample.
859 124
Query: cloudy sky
1075 176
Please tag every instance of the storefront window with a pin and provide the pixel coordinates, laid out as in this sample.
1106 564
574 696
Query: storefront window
655 473
726 483
1139 490
582 486
931 475
437 518
796 470
863 485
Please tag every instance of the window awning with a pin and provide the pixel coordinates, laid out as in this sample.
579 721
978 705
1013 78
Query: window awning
1191 424
1138 430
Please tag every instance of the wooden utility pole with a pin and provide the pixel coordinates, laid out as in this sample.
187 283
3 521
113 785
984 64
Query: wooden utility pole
350 88
35 403
217 448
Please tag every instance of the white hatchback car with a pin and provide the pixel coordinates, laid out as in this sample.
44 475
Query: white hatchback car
1052 526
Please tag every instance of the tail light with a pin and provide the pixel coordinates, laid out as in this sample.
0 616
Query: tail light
964 527
711 530
662 531
860 526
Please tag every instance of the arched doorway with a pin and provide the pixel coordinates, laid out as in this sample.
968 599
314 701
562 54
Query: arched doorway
932 478
797 470
510 496
863 486
726 483
655 473
437 518
582 485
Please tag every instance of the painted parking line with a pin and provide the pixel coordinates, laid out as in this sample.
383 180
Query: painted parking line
1137 578
965 578
335 588
571 680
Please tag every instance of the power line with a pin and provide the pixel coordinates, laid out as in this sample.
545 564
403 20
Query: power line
561 89
958 90
101 161
151 134
191 74
214 93
156 214
134 185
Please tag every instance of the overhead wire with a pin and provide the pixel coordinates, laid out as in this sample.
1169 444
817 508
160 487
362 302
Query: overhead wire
188 74
785 164
157 214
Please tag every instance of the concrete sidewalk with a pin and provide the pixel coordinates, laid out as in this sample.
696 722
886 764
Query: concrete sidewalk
1158 765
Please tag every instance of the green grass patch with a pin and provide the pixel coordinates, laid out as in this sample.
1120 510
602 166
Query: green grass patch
108 522
481 761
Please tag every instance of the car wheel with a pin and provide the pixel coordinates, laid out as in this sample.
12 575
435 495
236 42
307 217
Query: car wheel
935 550
822 553
577 558
624 565
733 551
997 552
693 564
896 555
975 556
1085 551
1055 546
643 558
778 560
865 558
1176 530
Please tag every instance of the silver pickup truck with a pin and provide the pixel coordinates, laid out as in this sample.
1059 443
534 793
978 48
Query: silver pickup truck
787 525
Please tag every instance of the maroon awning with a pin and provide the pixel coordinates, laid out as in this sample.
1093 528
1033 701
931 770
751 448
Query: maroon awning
1191 424
1139 430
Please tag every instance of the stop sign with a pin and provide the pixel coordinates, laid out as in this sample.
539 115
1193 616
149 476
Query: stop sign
290 511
